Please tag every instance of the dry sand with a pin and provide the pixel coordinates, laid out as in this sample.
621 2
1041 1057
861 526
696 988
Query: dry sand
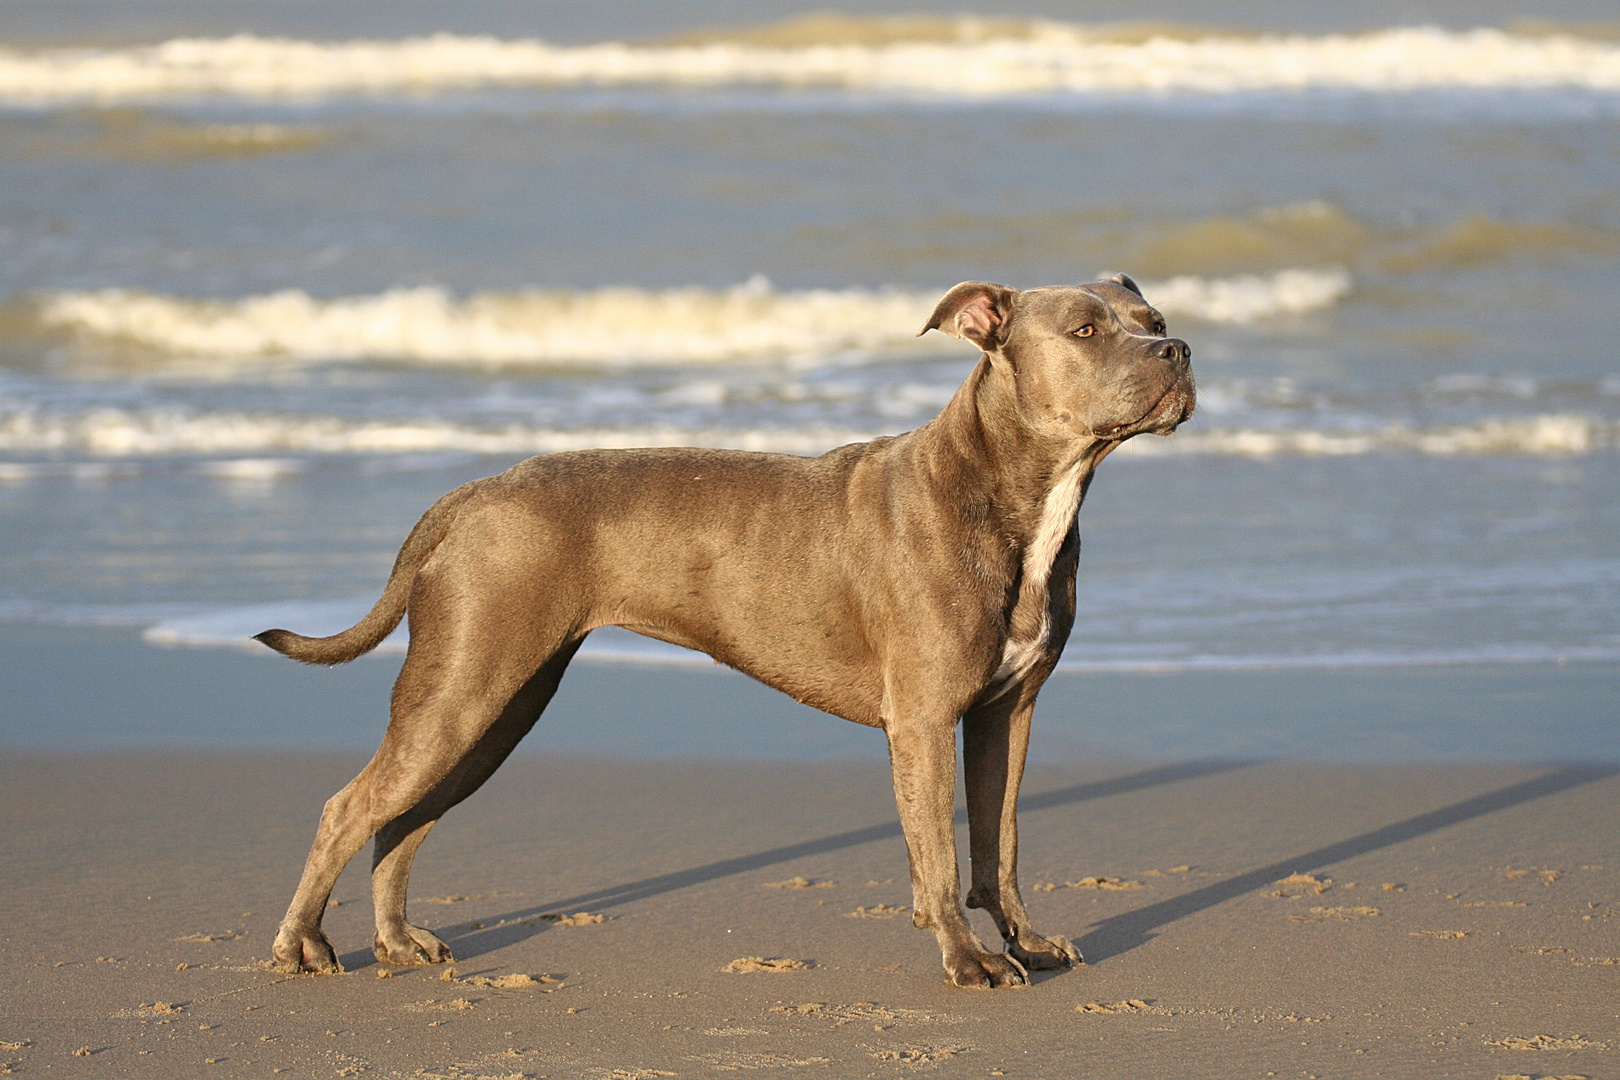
1291 921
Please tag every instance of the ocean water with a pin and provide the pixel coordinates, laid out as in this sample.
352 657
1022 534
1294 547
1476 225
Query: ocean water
273 278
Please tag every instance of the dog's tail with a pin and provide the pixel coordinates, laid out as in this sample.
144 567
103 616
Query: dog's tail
385 614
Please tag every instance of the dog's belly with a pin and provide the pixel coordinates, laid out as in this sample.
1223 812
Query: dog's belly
840 684
800 632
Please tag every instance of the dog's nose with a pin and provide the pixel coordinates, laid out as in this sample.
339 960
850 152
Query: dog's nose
1174 350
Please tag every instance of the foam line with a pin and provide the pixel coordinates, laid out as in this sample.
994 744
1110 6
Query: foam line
255 447
233 628
1036 59
1552 434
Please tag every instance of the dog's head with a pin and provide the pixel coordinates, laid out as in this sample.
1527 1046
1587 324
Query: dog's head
1086 359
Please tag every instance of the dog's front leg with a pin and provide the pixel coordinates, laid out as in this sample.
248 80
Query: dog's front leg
995 741
922 754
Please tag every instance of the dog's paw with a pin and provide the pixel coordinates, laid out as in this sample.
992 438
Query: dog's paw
298 951
984 970
410 945
1039 953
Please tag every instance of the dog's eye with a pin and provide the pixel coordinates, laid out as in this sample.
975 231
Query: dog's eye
1085 331
1158 328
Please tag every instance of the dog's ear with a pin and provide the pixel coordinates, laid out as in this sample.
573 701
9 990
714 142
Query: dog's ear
975 310
1129 282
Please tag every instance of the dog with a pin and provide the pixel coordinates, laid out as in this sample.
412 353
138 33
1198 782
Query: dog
908 583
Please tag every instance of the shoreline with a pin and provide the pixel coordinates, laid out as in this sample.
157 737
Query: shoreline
105 689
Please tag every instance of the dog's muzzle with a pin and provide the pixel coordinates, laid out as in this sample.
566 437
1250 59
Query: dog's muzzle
1176 407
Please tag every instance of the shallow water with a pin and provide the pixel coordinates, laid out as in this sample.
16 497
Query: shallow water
92 689
250 327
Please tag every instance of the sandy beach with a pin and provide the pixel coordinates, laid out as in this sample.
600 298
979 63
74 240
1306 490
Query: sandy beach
1330 921
1239 918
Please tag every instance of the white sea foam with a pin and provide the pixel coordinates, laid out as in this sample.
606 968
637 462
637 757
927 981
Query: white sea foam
265 439
1042 58
613 326
234 627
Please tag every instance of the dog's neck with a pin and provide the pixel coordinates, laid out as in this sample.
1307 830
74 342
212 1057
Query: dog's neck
1024 484
1019 471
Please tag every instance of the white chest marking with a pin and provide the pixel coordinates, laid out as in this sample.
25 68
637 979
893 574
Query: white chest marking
1024 650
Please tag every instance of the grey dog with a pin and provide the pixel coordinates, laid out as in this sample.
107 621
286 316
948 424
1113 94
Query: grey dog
907 583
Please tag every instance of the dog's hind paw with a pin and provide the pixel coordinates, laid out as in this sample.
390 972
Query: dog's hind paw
305 951
408 945
985 971
1045 953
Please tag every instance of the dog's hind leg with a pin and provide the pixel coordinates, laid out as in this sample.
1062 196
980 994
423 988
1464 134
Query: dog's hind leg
420 765
995 740
473 654
396 843
300 944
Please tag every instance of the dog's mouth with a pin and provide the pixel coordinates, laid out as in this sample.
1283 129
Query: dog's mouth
1174 409
1168 413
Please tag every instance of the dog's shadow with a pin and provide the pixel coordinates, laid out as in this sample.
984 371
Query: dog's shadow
1123 932
512 927
1111 937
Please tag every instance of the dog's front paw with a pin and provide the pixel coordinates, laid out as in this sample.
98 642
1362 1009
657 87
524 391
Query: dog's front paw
984 970
298 951
409 944
1039 953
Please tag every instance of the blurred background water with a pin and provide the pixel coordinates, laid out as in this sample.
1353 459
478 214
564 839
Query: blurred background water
274 276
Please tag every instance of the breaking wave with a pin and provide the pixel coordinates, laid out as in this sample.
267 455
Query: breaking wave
614 326
1320 233
252 440
603 326
1248 298
967 59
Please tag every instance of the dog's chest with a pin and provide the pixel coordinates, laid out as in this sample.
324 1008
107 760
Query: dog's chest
1031 624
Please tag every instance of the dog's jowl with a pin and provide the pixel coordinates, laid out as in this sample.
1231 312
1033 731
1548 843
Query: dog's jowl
910 583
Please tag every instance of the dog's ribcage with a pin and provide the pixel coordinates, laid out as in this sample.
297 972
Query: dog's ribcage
1025 647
